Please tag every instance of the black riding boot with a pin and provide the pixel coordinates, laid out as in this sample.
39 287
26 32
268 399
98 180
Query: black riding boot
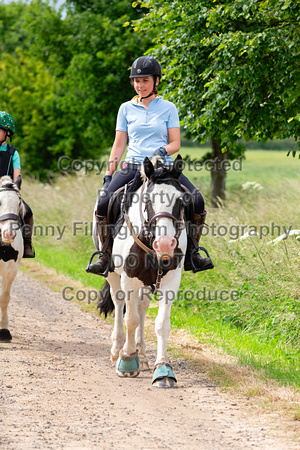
27 234
193 261
101 265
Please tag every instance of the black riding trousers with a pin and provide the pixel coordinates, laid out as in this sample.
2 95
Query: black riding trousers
127 174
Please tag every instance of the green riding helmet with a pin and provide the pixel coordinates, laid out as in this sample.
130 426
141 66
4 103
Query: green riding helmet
7 122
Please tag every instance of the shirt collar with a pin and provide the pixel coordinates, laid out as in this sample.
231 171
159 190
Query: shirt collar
134 100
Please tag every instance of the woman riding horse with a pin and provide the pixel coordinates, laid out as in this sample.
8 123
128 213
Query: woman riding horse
152 126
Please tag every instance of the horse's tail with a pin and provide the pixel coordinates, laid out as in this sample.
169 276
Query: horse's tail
105 303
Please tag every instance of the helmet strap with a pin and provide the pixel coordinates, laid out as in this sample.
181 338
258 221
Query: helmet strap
152 92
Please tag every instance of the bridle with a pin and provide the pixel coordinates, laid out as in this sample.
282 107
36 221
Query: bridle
10 216
147 224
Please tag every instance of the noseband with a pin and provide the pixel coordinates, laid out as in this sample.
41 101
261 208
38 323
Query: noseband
9 217
146 223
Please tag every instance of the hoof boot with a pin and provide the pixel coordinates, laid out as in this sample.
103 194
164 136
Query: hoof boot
128 367
163 377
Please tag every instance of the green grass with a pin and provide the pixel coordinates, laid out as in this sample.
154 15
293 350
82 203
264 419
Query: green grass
261 325
270 356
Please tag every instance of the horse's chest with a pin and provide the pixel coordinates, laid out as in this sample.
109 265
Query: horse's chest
143 266
7 253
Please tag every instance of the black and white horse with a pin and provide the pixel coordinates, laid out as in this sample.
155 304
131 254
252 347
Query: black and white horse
11 245
147 256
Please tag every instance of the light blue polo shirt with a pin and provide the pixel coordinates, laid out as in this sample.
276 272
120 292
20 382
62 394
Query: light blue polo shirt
15 159
147 129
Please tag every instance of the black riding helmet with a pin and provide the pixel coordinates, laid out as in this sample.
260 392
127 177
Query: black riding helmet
146 66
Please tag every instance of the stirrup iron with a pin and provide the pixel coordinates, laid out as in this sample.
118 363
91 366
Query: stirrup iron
194 268
100 253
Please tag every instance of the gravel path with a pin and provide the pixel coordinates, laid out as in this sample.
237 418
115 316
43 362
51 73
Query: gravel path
59 390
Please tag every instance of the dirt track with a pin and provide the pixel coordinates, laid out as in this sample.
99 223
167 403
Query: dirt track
59 390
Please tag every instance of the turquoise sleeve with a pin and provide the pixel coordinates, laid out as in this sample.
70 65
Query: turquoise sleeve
16 161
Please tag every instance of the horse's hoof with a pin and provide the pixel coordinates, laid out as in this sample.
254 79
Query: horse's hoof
165 383
128 367
113 359
163 377
5 335
144 366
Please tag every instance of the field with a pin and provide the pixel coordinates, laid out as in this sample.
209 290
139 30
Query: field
249 304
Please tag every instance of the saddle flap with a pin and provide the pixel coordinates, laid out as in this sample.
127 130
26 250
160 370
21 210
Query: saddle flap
115 215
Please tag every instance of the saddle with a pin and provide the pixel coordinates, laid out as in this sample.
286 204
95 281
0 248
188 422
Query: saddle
121 200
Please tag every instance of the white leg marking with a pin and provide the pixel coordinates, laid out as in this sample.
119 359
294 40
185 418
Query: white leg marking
144 300
118 335
170 286
131 287
9 273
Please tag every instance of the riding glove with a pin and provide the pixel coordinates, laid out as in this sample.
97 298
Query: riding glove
161 151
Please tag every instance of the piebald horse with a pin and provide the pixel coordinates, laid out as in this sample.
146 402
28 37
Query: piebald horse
147 256
11 245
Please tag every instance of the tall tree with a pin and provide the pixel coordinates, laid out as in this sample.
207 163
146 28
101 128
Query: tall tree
231 67
86 53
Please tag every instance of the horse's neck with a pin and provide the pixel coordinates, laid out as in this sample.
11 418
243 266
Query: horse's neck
134 211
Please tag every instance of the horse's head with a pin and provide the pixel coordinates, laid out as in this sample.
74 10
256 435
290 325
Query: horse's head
11 209
164 207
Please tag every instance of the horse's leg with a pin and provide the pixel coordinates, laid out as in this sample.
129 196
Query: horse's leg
163 375
7 279
132 317
144 301
118 335
128 362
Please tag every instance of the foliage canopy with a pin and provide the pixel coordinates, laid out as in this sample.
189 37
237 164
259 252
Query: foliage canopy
231 67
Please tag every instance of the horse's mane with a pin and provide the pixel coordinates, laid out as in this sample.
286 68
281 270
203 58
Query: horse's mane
161 172
7 183
157 162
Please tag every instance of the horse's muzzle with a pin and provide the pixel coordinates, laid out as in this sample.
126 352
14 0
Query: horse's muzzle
164 246
8 236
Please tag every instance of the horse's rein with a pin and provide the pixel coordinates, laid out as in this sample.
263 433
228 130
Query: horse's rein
146 225
136 239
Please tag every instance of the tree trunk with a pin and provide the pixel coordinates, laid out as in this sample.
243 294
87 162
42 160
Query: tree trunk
218 174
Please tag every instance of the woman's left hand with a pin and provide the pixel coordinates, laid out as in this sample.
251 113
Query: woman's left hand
161 151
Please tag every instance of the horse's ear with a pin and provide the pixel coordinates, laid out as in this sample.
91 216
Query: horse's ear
148 167
18 182
178 167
